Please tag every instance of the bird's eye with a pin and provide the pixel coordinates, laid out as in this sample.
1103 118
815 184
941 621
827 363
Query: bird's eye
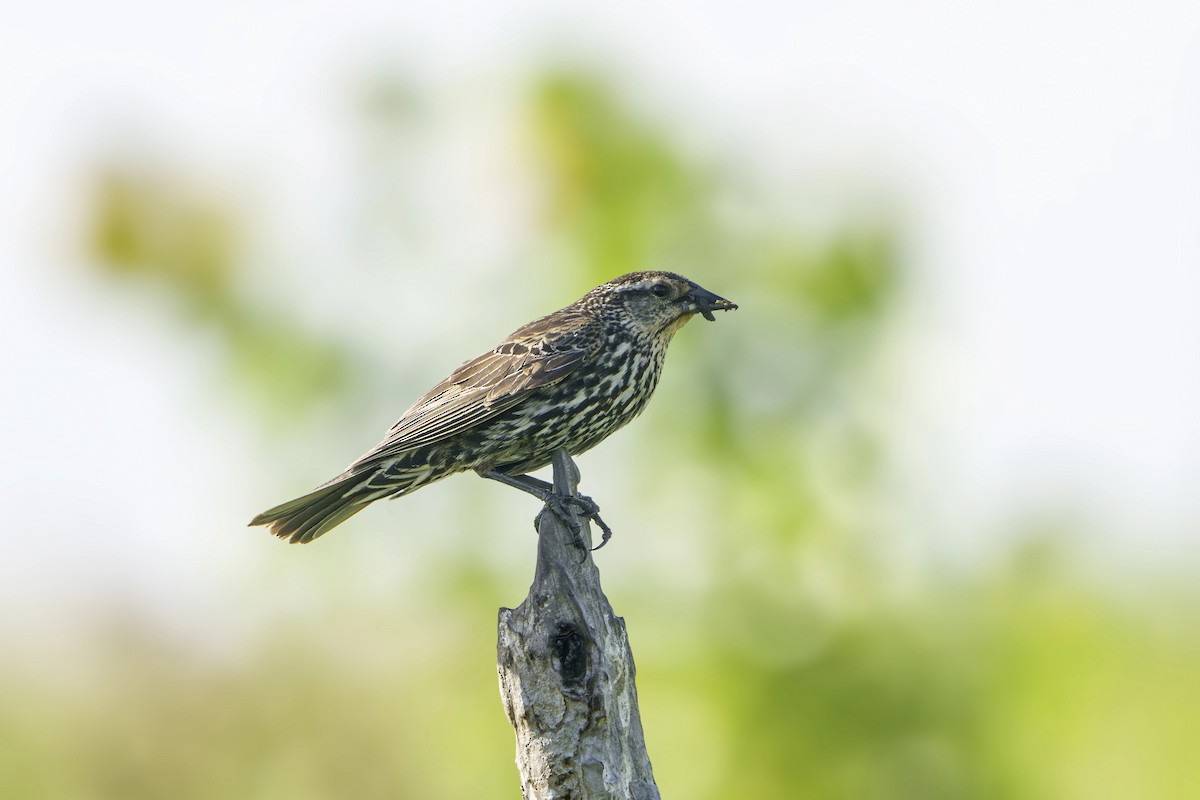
660 290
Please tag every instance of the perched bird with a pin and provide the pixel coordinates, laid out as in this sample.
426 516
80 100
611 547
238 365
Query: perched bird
566 380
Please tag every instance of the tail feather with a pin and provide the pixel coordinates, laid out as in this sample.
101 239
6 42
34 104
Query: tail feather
307 517
334 502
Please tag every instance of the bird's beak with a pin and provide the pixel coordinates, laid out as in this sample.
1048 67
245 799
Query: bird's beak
703 302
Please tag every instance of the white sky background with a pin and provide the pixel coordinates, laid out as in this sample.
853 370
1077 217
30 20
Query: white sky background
1050 153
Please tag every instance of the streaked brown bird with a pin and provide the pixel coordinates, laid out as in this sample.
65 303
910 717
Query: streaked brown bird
566 380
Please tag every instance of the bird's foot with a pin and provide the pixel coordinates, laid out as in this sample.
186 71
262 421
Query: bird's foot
558 504
586 507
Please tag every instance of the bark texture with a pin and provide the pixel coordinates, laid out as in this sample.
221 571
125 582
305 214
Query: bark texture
567 674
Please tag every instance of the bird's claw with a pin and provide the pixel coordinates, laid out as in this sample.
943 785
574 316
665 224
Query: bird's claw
591 510
588 509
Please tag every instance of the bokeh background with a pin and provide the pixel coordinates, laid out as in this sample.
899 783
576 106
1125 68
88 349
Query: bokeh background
919 521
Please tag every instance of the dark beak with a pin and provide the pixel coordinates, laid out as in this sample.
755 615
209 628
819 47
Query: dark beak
704 302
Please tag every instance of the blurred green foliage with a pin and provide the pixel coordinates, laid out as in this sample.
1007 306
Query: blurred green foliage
790 661
618 189
156 230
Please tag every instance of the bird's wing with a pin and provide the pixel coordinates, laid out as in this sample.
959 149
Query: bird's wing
539 354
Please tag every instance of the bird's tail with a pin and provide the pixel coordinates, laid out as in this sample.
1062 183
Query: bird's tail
307 517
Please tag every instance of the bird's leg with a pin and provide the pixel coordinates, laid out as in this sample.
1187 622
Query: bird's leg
557 503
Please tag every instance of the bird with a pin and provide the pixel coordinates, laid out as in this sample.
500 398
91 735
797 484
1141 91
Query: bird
564 381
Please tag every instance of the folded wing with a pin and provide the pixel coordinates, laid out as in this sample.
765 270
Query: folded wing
534 356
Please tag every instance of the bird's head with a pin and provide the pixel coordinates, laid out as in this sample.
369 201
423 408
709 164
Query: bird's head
658 303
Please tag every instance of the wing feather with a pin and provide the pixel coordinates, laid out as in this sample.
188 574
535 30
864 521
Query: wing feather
539 354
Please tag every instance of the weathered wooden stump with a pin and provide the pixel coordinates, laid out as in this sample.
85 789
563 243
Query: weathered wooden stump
567 674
